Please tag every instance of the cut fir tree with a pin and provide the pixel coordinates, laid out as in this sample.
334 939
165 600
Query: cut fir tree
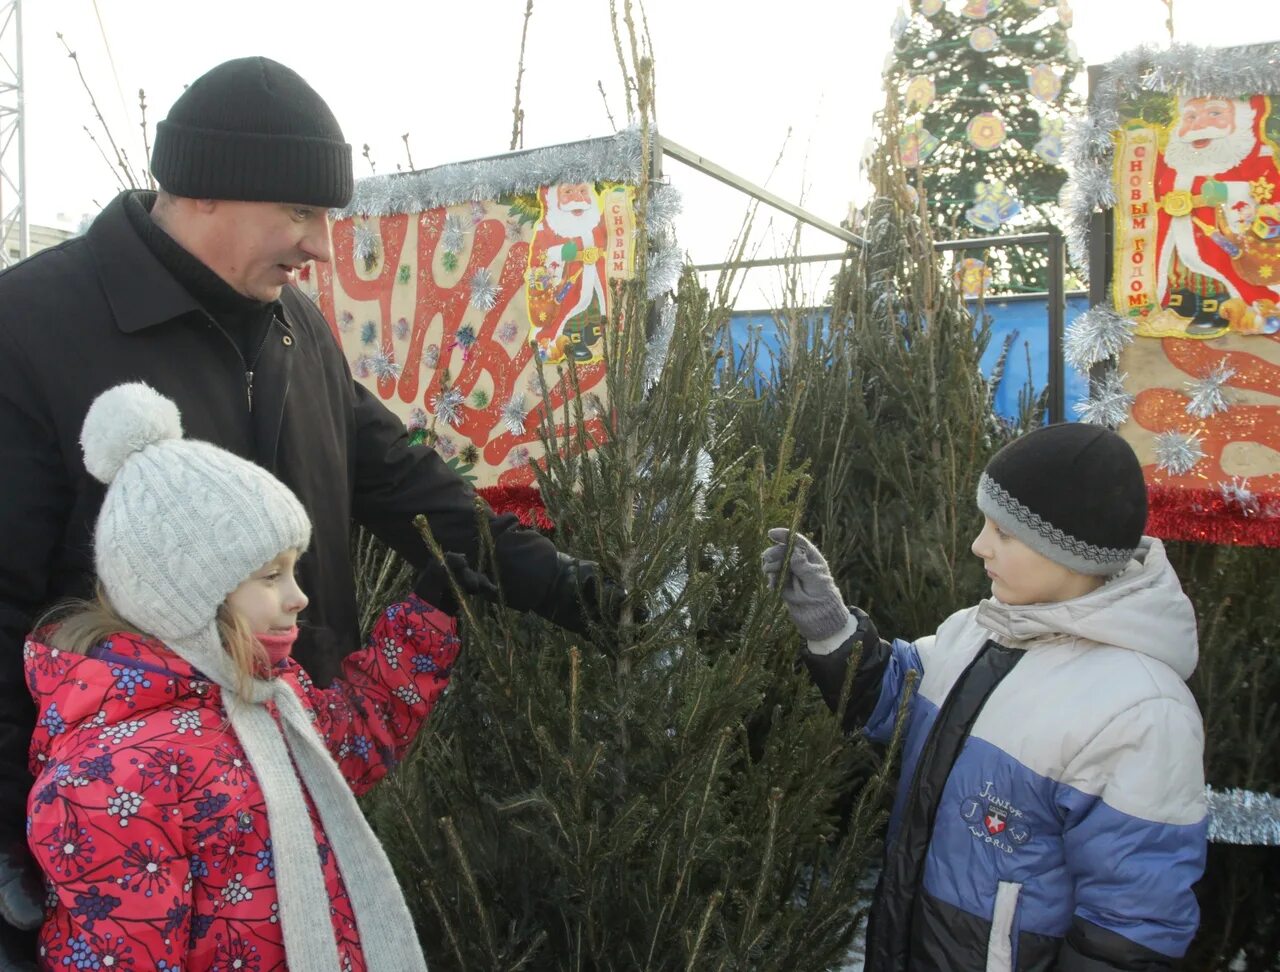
666 794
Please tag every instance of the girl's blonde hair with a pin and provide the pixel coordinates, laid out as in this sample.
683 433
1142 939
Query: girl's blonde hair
77 625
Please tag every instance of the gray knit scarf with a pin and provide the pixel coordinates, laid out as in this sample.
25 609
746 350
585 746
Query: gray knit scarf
387 936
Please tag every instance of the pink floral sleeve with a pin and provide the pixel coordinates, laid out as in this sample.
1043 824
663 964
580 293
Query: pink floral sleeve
378 703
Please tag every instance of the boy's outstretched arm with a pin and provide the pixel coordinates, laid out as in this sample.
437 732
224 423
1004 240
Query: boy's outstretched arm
1135 840
836 634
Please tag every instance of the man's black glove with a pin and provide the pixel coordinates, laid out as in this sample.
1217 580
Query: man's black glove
21 909
433 586
581 596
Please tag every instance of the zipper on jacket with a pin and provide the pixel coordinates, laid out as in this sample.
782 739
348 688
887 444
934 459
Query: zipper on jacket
249 366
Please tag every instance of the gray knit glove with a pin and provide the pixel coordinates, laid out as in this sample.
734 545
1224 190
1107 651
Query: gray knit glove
810 594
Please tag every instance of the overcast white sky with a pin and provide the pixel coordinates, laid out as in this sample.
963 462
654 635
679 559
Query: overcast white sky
733 78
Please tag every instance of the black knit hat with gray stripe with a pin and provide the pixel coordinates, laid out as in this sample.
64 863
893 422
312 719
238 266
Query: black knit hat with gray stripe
1071 492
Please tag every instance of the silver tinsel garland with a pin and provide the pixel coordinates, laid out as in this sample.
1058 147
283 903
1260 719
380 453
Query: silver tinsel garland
663 271
1096 335
1110 403
616 159
1177 452
664 206
1244 817
655 351
1207 393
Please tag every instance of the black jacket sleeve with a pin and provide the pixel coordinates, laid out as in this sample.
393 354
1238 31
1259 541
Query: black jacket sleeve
396 481
34 509
871 655
1091 948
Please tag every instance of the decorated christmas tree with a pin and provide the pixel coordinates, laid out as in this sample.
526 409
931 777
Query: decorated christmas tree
984 90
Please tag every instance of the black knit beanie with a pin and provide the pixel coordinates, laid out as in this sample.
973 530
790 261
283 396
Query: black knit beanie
253 130
1071 492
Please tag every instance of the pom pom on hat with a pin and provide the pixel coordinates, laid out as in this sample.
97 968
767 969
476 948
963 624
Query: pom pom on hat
123 421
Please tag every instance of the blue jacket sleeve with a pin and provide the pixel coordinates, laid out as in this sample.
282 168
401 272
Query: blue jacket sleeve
877 681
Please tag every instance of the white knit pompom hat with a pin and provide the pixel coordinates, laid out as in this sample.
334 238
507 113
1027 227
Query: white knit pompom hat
183 522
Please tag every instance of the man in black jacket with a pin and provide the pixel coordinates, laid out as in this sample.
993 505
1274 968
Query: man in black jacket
188 290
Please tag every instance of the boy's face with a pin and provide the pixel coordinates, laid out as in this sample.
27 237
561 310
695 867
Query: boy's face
1019 575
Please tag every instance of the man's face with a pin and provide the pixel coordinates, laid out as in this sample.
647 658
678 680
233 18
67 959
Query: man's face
1204 119
257 246
1019 575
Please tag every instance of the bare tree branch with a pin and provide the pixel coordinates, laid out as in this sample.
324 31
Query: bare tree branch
517 113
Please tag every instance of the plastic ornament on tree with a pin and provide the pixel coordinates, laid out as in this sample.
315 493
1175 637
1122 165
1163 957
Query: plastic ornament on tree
994 205
980 9
1049 147
986 131
915 144
983 39
920 93
1065 16
973 276
1044 83
930 7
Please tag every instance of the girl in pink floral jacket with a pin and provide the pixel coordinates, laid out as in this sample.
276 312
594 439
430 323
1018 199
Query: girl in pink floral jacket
193 802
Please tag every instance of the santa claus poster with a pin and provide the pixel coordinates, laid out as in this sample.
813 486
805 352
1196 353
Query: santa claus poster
462 295
1186 352
1198 228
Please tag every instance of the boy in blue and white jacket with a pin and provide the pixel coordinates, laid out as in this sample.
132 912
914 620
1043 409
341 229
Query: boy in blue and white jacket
1051 810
